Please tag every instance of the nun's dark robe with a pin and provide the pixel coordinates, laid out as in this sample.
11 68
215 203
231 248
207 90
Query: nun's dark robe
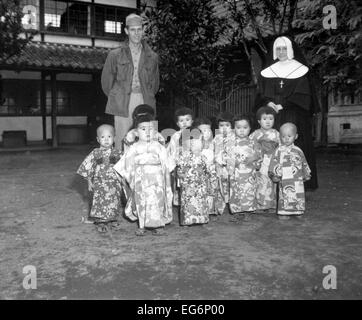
299 103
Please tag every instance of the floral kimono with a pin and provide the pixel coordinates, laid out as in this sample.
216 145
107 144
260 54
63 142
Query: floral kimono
173 152
243 180
268 141
289 164
223 146
208 153
195 188
97 168
145 168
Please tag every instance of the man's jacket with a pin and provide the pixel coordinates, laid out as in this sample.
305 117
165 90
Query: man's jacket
117 77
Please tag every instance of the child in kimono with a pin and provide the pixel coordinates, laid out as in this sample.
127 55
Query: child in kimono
247 159
224 142
184 120
204 125
289 168
145 168
97 168
131 137
194 175
268 139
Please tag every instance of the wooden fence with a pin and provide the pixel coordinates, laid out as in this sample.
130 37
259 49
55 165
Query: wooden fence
239 100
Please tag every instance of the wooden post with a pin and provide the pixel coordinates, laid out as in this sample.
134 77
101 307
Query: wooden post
54 109
43 108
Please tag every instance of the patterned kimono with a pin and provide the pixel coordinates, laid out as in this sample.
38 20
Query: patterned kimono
195 185
289 164
145 168
243 184
223 146
208 153
268 141
173 152
97 168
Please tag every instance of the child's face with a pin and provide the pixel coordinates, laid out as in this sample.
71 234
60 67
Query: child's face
105 138
206 131
146 131
266 121
288 135
194 145
242 128
225 127
185 121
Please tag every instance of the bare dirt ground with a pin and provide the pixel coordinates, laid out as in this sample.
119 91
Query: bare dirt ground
42 202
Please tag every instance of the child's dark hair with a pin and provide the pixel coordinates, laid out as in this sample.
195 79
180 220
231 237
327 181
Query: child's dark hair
225 116
201 121
143 118
194 133
183 112
265 110
143 109
240 117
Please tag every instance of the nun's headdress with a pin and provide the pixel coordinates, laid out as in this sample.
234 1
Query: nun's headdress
283 42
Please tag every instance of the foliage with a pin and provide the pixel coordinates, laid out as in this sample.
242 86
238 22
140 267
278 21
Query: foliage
185 34
11 41
334 53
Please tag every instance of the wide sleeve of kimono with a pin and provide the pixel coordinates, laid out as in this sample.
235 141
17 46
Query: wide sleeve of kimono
172 147
167 164
258 155
305 168
274 166
125 166
218 150
87 167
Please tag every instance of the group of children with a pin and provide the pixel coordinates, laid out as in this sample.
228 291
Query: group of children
200 175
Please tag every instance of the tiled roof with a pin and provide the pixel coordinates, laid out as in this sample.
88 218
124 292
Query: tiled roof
60 56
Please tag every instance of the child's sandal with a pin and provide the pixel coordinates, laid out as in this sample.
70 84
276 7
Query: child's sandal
102 228
116 225
157 232
140 232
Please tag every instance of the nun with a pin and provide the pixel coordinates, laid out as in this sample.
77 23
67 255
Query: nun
286 87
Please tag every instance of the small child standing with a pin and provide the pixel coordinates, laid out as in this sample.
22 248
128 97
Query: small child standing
247 159
194 176
145 167
268 139
103 182
224 143
184 120
289 167
204 125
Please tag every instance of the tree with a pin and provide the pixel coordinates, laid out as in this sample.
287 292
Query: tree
335 54
11 29
185 34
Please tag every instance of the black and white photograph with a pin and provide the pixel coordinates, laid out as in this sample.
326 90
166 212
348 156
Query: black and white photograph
180 150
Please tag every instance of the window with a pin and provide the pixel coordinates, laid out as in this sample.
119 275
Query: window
73 98
109 21
67 16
